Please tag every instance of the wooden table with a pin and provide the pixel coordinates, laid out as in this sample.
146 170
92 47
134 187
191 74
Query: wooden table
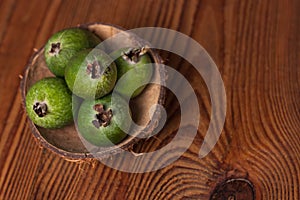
255 45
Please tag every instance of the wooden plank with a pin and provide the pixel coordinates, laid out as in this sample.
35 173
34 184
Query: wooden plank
256 47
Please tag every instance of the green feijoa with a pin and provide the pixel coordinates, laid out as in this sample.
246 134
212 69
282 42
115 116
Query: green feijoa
65 44
76 102
136 62
99 121
91 74
49 103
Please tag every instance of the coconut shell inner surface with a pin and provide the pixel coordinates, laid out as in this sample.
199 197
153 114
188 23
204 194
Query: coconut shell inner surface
66 141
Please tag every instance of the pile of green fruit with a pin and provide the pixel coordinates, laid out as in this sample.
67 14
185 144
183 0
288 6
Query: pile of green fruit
84 79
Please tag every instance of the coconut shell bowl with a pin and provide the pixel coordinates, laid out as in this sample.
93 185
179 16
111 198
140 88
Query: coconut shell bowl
66 141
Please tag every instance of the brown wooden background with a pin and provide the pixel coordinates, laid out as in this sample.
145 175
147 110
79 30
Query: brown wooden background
256 45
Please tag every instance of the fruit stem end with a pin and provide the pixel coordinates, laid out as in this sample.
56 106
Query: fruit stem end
40 108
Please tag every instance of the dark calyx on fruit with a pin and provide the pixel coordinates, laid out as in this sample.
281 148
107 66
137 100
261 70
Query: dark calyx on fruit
103 117
133 55
96 70
55 48
40 108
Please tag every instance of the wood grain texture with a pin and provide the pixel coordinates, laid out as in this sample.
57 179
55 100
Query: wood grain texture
255 45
